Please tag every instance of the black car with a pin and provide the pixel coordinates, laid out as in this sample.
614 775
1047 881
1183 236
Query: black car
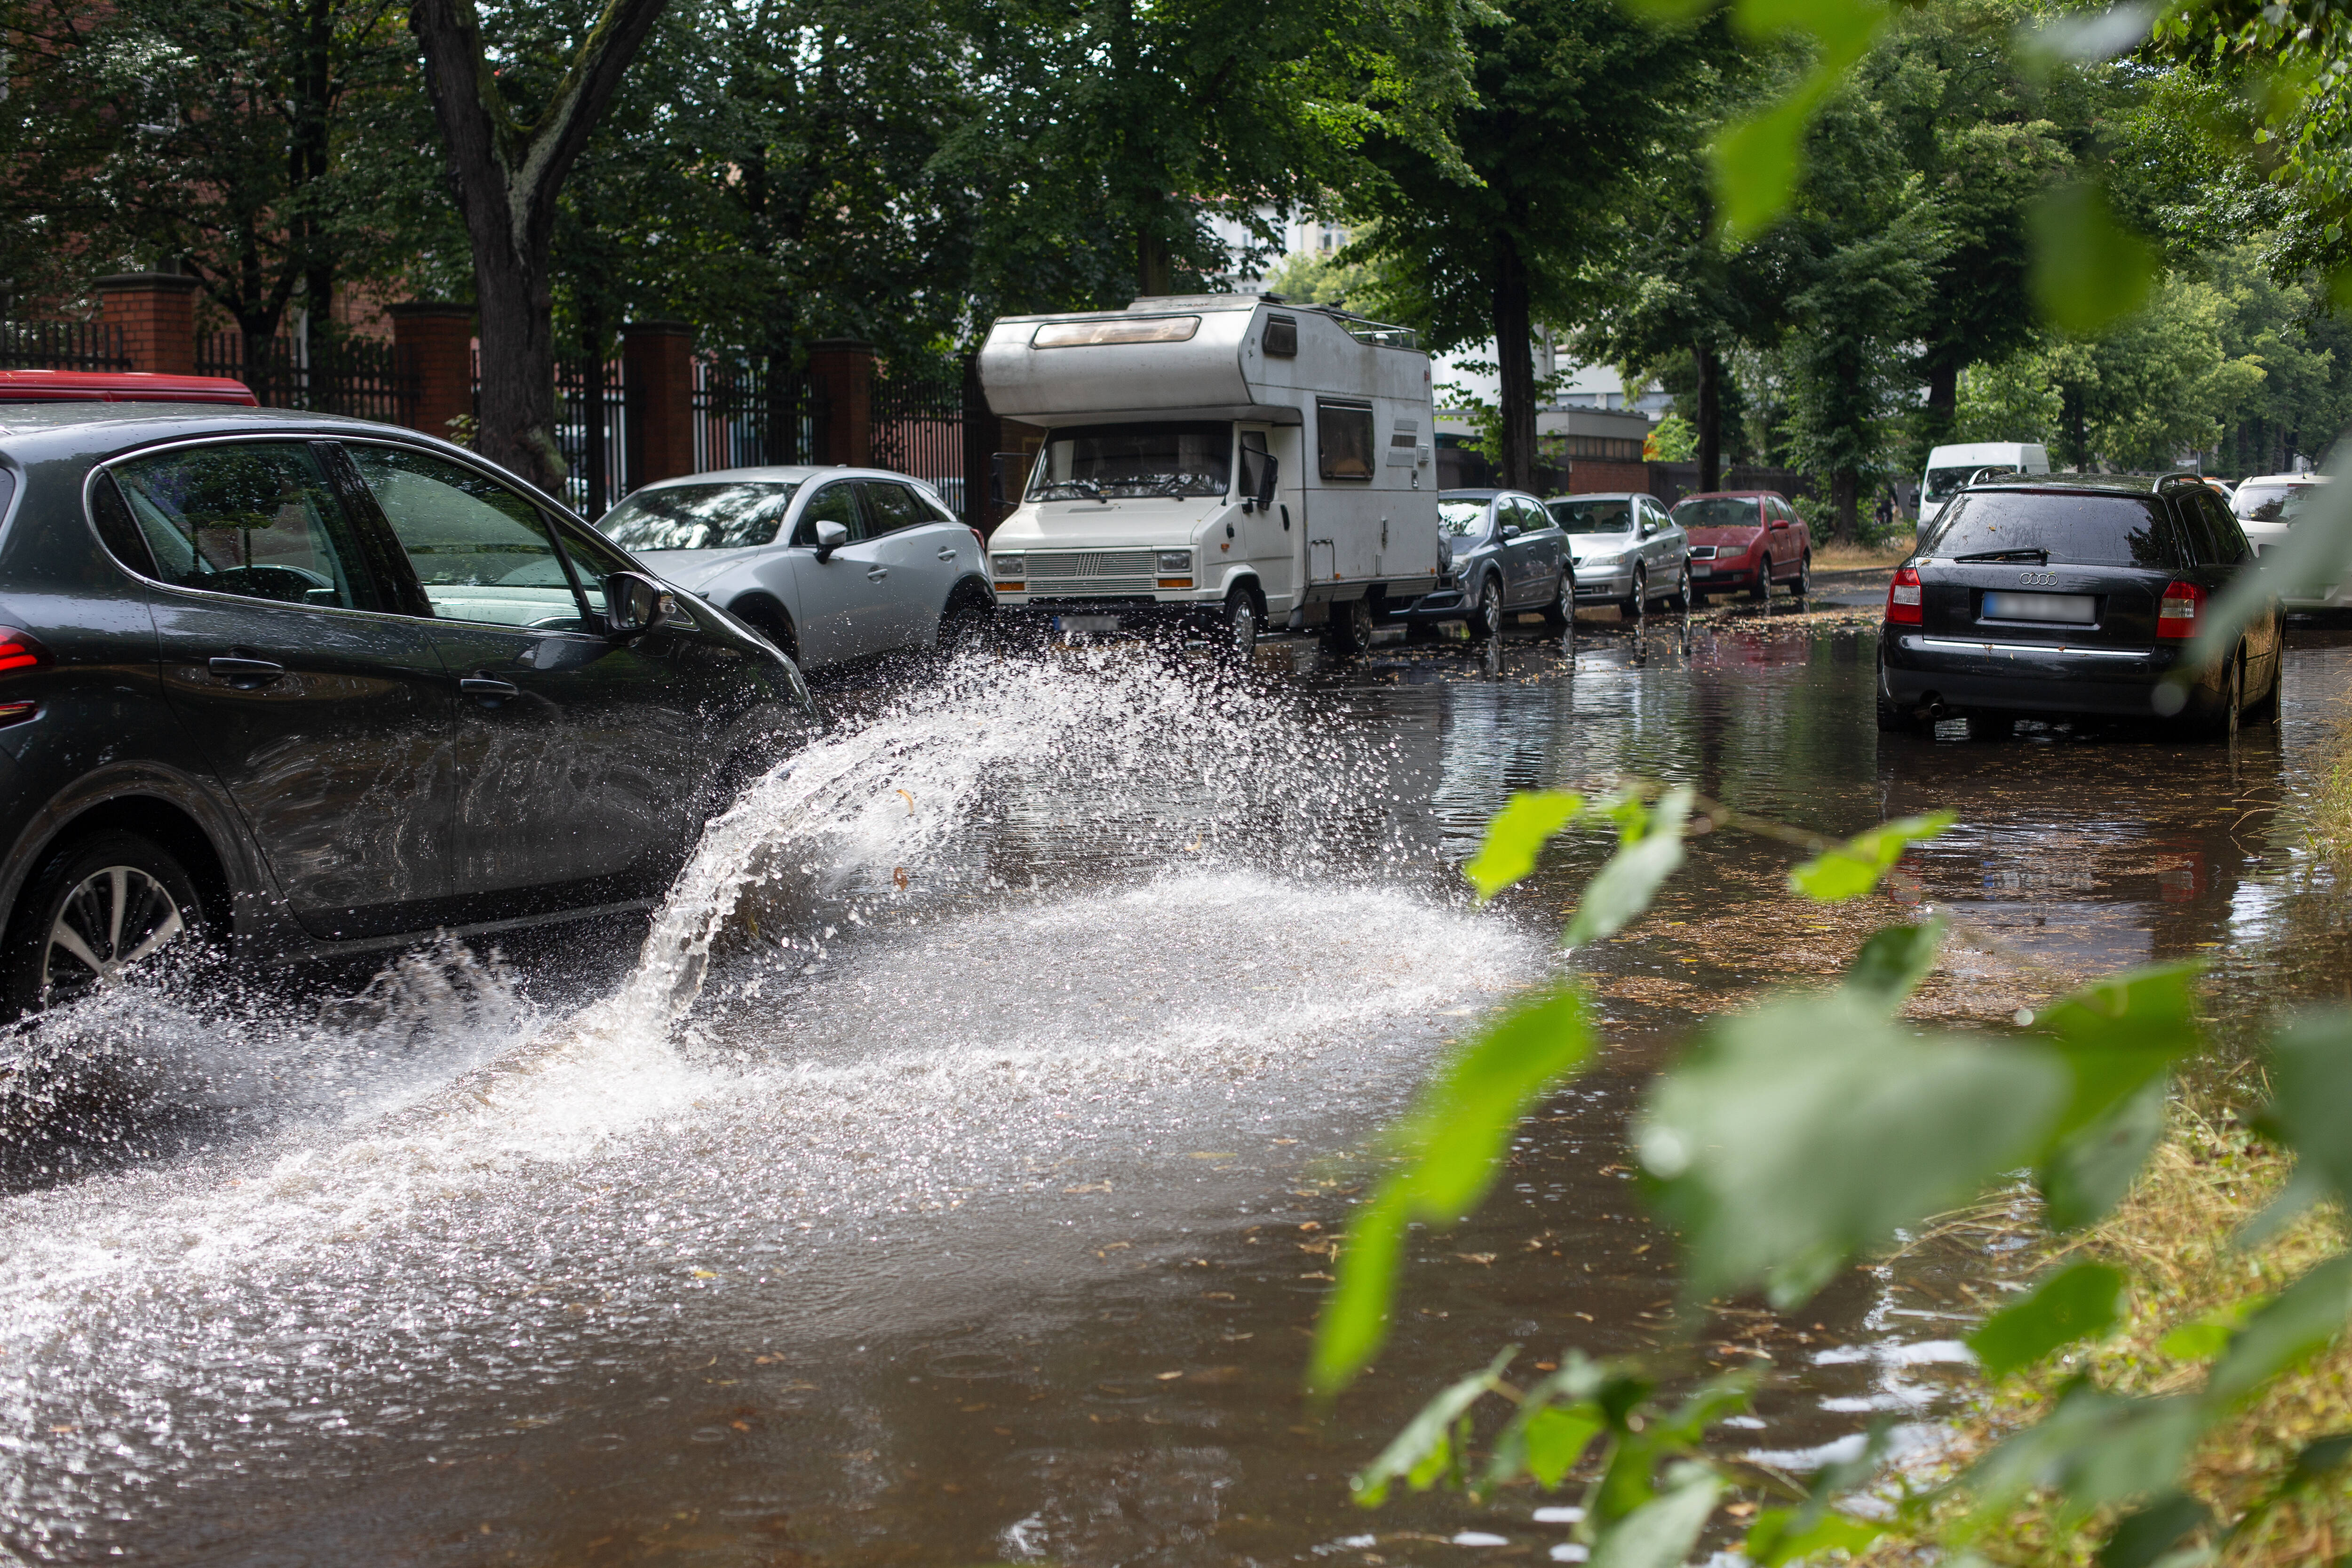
2050 597
301 685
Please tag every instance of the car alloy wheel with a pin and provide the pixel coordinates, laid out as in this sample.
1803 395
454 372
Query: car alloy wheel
111 920
1801 589
1487 614
1679 602
1636 602
1560 614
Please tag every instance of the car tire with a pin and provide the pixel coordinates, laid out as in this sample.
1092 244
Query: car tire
1894 720
1802 587
1761 589
2225 723
771 623
1681 599
1351 629
1562 612
2266 711
964 626
1637 599
1242 619
114 897
1486 619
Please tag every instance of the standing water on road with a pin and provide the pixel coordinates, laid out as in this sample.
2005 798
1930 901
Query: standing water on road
953 1177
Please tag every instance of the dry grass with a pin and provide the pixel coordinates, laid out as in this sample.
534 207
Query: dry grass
2173 1238
1829 555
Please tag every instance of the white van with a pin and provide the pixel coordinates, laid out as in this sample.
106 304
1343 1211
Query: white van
1949 468
1219 458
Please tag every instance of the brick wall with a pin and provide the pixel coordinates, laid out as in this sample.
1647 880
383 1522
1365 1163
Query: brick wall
157 314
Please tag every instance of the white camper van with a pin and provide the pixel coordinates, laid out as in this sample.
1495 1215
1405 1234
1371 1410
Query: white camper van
1949 468
1219 458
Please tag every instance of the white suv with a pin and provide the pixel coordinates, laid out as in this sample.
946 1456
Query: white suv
2266 507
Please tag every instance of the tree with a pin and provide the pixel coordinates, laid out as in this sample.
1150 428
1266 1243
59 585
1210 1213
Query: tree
1574 102
204 136
511 135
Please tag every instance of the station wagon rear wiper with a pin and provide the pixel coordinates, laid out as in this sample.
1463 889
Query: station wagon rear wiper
2024 553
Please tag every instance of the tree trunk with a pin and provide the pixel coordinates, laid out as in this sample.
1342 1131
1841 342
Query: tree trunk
505 177
1153 274
1846 490
1943 410
1710 417
1515 457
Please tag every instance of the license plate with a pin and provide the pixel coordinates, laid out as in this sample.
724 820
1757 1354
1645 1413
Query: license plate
2072 609
1702 570
1085 622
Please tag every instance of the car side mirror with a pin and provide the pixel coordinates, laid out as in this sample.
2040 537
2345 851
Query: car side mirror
1510 530
634 605
830 537
1267 472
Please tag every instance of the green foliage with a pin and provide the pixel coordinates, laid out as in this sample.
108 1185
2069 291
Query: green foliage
1850 870
2089 271
1515 835
1670 440
2078 1303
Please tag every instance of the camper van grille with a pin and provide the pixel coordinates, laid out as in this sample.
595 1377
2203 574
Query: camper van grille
1090 572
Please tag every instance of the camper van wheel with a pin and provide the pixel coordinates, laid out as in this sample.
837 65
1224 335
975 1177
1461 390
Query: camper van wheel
1351 627
1243 619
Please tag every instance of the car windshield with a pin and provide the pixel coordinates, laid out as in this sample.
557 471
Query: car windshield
2271 503
1717 511
700 517
1460 517
1098 462
1944 483
2078 529
1613 516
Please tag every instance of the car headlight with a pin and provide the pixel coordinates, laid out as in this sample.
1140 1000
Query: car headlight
1176 560
1008 568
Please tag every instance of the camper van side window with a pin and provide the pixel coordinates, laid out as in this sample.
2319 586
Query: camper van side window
1281 337
1343 439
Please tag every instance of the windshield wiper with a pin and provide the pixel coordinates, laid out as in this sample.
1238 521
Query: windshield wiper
2024 553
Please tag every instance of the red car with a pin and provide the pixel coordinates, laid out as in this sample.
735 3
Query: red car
119 386
1745 539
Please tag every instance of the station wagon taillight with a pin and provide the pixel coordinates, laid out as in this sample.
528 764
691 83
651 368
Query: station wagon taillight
19 652
2176 613
1902 608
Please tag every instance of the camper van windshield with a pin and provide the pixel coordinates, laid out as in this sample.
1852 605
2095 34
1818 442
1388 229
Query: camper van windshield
1096 462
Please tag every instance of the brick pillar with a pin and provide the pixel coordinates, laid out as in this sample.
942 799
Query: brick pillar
157 314
842 371
434 346
658 388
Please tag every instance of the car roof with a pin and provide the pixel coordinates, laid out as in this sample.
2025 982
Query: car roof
2074 484
1599 495
1733 495
779 474
1469 494
2284 480
120 386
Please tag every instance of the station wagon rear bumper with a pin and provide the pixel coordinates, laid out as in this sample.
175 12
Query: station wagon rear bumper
2035 675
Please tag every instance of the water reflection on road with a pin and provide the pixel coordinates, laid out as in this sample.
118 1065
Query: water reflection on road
981 1204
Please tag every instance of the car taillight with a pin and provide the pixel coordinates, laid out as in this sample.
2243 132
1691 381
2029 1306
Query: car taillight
18 651
980 539
1903 609
2176 613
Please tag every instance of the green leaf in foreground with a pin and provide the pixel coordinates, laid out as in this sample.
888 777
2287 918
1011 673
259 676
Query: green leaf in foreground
2311 1093
1423 1450
2088 270
2142 1539
1813 1127
2118 1039
1778 1537
2303 1321
2077 1303
1759 158
1895 959
1517 836
1850 870
1454 1139
2095 1448
1662 1531
1649 853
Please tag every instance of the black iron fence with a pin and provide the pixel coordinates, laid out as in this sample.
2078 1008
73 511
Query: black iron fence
749 412
61 346
918 429
592 432
361 377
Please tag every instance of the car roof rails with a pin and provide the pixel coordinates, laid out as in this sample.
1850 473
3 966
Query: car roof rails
2184 476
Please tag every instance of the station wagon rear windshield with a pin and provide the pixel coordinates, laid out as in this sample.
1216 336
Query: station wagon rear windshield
1106 462
2078 529
1593 516
700 517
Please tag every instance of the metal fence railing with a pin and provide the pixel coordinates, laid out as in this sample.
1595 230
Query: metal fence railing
748 412
361 377
591 431
918 429
61 346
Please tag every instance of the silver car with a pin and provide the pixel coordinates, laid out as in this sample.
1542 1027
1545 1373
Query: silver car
830 564
1627 548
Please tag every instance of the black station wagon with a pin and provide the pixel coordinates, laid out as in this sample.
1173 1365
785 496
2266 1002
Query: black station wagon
303 685
2060 596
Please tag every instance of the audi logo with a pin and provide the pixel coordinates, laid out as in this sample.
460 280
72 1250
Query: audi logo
2037 580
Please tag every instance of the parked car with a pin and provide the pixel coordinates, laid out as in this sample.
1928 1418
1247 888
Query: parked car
2267 507
305 685
830 564
1950 468
2049 597
1627 548
1745 539
1499 553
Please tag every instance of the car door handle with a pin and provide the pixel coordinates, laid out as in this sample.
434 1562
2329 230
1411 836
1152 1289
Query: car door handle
877 574
947 554
489 687
245 673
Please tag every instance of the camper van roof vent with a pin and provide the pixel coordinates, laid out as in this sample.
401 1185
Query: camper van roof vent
1194 302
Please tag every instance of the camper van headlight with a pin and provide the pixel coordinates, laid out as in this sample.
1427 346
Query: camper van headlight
1171 561
1009 569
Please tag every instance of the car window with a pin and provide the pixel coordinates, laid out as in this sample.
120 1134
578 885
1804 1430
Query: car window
258 520
890 506
1462 519
2220 541
1719 511
2078 529
482 552
2271 503
837 503
729 516
1613 515
1343 439
1530 515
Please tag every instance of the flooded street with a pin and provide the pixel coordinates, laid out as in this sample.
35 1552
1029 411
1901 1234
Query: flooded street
952 1178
